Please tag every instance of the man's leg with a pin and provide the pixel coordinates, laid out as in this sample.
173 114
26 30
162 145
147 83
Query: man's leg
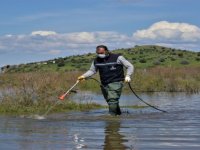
112 93
114 108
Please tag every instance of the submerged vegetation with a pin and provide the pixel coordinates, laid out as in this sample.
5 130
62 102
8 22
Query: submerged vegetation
34 87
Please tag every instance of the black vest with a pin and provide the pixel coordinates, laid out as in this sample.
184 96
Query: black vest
109 69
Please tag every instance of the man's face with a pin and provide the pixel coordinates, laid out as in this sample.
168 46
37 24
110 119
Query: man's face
101 51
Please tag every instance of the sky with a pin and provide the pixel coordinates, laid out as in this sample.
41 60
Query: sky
36 30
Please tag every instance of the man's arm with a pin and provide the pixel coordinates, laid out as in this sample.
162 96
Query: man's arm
91 71
127 64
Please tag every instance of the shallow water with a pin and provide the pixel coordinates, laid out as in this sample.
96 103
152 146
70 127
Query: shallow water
139 129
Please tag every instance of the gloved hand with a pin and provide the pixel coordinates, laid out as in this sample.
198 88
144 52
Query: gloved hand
127 79
81 78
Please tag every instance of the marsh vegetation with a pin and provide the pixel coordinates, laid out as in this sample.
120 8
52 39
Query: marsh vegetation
36 91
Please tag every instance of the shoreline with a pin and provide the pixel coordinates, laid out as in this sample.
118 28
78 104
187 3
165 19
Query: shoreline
62 108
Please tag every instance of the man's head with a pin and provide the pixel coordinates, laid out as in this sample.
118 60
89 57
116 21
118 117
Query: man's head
102 51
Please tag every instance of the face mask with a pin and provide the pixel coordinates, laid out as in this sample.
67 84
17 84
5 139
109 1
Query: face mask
101 55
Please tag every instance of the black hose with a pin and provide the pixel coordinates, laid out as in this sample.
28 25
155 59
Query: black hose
133 93
144 101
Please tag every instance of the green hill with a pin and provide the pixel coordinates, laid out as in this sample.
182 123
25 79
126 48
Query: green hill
141 56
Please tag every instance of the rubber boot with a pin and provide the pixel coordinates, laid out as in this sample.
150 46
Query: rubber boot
114 109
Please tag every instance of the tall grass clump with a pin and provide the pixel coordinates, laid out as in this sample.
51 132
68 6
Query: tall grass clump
36 92
168 79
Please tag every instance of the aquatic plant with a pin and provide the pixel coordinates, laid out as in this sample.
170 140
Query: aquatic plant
37 91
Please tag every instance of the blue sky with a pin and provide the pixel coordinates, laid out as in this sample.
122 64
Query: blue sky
33 30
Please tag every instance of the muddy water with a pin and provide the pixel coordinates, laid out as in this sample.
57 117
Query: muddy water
139 129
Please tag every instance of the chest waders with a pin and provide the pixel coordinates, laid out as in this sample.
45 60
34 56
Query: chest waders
111 74
112 93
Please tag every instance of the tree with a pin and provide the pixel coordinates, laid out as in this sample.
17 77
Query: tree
60 62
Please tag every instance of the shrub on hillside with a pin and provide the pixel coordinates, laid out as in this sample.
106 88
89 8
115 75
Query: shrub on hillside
161 59
156 62
184 62
142 60
180 54
173 59
7 66
60 62
197 59
89 54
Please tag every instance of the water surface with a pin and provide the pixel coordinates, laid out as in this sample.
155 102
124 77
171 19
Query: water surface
139 129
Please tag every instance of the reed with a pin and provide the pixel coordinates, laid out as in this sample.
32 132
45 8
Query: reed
37 91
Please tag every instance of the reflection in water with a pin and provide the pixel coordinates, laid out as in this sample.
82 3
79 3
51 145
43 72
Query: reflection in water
79 142
113 138
142 130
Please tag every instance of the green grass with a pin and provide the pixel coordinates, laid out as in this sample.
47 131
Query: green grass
15 107
20 109
35 92
141 56
33 88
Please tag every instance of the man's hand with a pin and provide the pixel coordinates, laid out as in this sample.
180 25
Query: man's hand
81 78
127 79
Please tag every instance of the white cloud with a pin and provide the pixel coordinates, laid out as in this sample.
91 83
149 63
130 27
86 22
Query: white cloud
167 32
177 35
43 33
47 42
80 37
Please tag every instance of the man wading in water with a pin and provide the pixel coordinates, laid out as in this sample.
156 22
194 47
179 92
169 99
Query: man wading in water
110 67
